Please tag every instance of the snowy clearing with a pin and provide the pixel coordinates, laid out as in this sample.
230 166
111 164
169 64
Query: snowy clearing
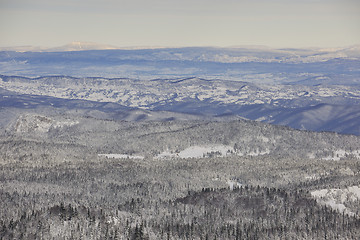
233 183
337 198
210 151
199 152
339 154
121 156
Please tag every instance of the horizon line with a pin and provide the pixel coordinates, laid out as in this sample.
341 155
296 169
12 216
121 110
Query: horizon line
77 46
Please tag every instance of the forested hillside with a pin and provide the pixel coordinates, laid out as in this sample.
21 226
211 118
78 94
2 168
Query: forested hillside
86 178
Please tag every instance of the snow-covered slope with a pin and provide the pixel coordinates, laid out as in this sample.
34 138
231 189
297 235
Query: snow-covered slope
199 152
30 123
319 117
150 94
13 106
318 108
339 199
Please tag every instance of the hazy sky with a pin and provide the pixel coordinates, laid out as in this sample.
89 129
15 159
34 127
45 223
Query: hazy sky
274 23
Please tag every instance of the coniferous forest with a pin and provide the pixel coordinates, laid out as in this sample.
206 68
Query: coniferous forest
180 120
106 179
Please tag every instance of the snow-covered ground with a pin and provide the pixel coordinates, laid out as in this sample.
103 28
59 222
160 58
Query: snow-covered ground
316 108
336 155
199 152
135 93
339 154
258 153
337 198
233 183
38 123
208 151
121 156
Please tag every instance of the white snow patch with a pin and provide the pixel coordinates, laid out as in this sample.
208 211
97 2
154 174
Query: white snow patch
311 155
33 123
38 123
261 119
312 177
257 101
337 198
210 151
199 152
259 153
340 153
336 206
233 183
60 124
121 156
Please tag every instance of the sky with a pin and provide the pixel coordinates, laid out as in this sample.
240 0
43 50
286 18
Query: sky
177 23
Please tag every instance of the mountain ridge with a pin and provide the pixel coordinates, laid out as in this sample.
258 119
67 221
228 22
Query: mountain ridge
257 66
317 108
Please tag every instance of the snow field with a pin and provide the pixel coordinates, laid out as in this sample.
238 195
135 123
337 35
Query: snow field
337 198
121 156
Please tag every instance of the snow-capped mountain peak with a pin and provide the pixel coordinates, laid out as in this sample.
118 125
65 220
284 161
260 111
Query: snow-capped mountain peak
80 46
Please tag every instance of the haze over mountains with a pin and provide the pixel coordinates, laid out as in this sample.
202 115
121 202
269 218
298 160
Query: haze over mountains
312 89
265 66
73 46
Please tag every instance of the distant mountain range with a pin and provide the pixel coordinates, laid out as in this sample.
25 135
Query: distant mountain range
310 89
318 108
73 46
263 66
